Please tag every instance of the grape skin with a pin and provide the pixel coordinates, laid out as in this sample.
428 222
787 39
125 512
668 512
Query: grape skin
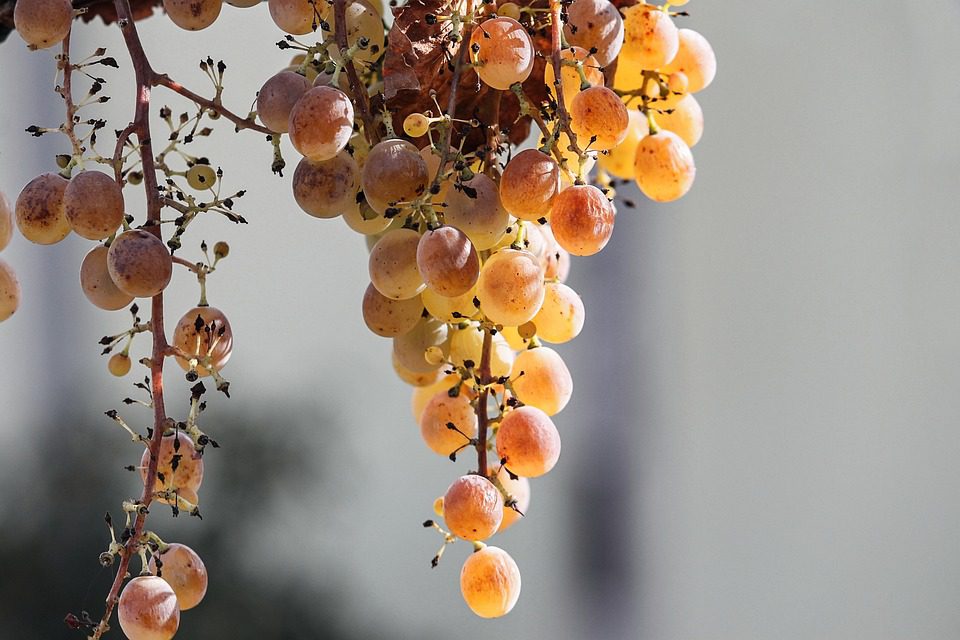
598 24
193 15
148 610
96 283
327 188
41 216
686 120
139 264
6 222
467 344
189 472
505 52
599 118
696 59
9 291
119 364
421 396
393 265
277 97
650 39
664 166
528 442
43 23
448 261
582 220
510 287
296 17
472 508
184 571
410 347
393 172
416 379
440 410
562 314
570 77
93 204
530 182
546 382
519 490
321 123
388 317
443 308
490 582
188 339
363 21
619 161
482 218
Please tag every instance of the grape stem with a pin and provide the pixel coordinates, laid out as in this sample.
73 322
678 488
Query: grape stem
356 87
66 92
556 37
484 380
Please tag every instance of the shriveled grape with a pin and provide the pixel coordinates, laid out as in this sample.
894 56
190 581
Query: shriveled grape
582 219
472 508
189 465
490 582
205 334
529 183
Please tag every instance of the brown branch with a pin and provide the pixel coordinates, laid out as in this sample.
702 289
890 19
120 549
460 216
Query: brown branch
482 420
163 80
356 87
556 36
66 92
452 102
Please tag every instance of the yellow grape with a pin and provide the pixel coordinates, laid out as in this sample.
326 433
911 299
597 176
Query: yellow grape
97 284
562 315
119 364
595 23
572 165
686 120
276 99
148 609
321 123
43 23
490 582
519 490
180 567
414 378
678 82
582 219
448 261
411 347
467 344
444 308
363 219
599 118
393 265
528 442
513 338
189 472
388 317
201 177
664 166
650 37
363 21
619 161
695 59
510 287
529 183
193 15
570 77
556 259
6 222
9 291
139 263
327 188
93 204
503 51
442 410
482 217
204 332
545 382
416 125
41 216
421 396
472 508
297 17
394 172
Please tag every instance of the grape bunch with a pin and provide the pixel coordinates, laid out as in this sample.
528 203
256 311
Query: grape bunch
475 146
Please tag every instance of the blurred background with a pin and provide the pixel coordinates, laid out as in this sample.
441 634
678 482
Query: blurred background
764 437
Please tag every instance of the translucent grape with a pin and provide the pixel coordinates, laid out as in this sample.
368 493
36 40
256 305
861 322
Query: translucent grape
510 287
529 183
148 609
572 167
545 382
388 317
650 37
504 52
595 23
193 15
619 161
442 410
363 219
139 263
453 309
570 77
393 265
297 17
472 508
205 333
528 442
582 220
119 364
363 21
414 378
321 123
664 166
599 118
448 261
43 23
97 284
9 291
490 582
327 188
467 344
41 216
519 490
562 314
695 59
421 396
394 172
686 120
476 210
411 346
93 204
6 222
189 472
277 97
201 177
184 571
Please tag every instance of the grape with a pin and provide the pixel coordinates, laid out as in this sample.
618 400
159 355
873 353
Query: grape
519 490
277 97
393 265
372 224
582 219
696 59
189 471
93 204
43 23
416 125
327 188
686 120
545 382
472 508
556 261
619 161
411 346
509 10
528 442
421 396
447 261
148 610
183 570
6 222
41 216
503 51
595 23
97 284
388 317
444 308
483 217
246 4
193 15
204 332
139 264
414 378
321 123
512 336
201 177
490 582
599 118
570 77
119 364
529 183
562 315
664 166
678 82
510 287
442 410
650 38
9 291
297 17
572 165
467 344
363 21
394 172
